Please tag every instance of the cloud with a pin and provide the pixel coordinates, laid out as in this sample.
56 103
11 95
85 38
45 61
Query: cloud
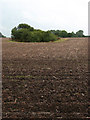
46 14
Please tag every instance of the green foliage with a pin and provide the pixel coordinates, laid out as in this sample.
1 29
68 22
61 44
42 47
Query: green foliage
1 35
73 34
26 33
35 36
69 35
47 36
79 33
64 33
25 26
14 33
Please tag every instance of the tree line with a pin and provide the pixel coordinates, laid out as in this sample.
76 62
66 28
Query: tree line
63 33
26 33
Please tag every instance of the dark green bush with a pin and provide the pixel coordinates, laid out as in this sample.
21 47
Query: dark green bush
26 33
63 33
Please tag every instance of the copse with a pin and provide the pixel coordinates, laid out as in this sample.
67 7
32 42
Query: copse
26 33
63 33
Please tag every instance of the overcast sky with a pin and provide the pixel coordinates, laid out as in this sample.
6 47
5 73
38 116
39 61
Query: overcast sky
69 15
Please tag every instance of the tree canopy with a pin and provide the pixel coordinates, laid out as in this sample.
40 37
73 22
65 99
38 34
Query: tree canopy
26 33
63 33
79 33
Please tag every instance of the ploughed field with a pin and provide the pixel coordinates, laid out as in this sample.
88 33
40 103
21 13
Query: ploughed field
45 80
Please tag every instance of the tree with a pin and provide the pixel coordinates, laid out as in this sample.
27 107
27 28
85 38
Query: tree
69 35
25 26
79 33
73 34
48 36
26 33
13 33
63 33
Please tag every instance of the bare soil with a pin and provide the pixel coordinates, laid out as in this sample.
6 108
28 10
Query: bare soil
45 80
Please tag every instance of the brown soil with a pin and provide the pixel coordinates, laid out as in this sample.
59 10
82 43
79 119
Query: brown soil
45 80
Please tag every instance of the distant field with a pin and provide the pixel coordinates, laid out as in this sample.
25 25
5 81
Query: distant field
45 80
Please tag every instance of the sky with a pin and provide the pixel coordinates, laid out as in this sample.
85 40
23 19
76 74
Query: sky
69 15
